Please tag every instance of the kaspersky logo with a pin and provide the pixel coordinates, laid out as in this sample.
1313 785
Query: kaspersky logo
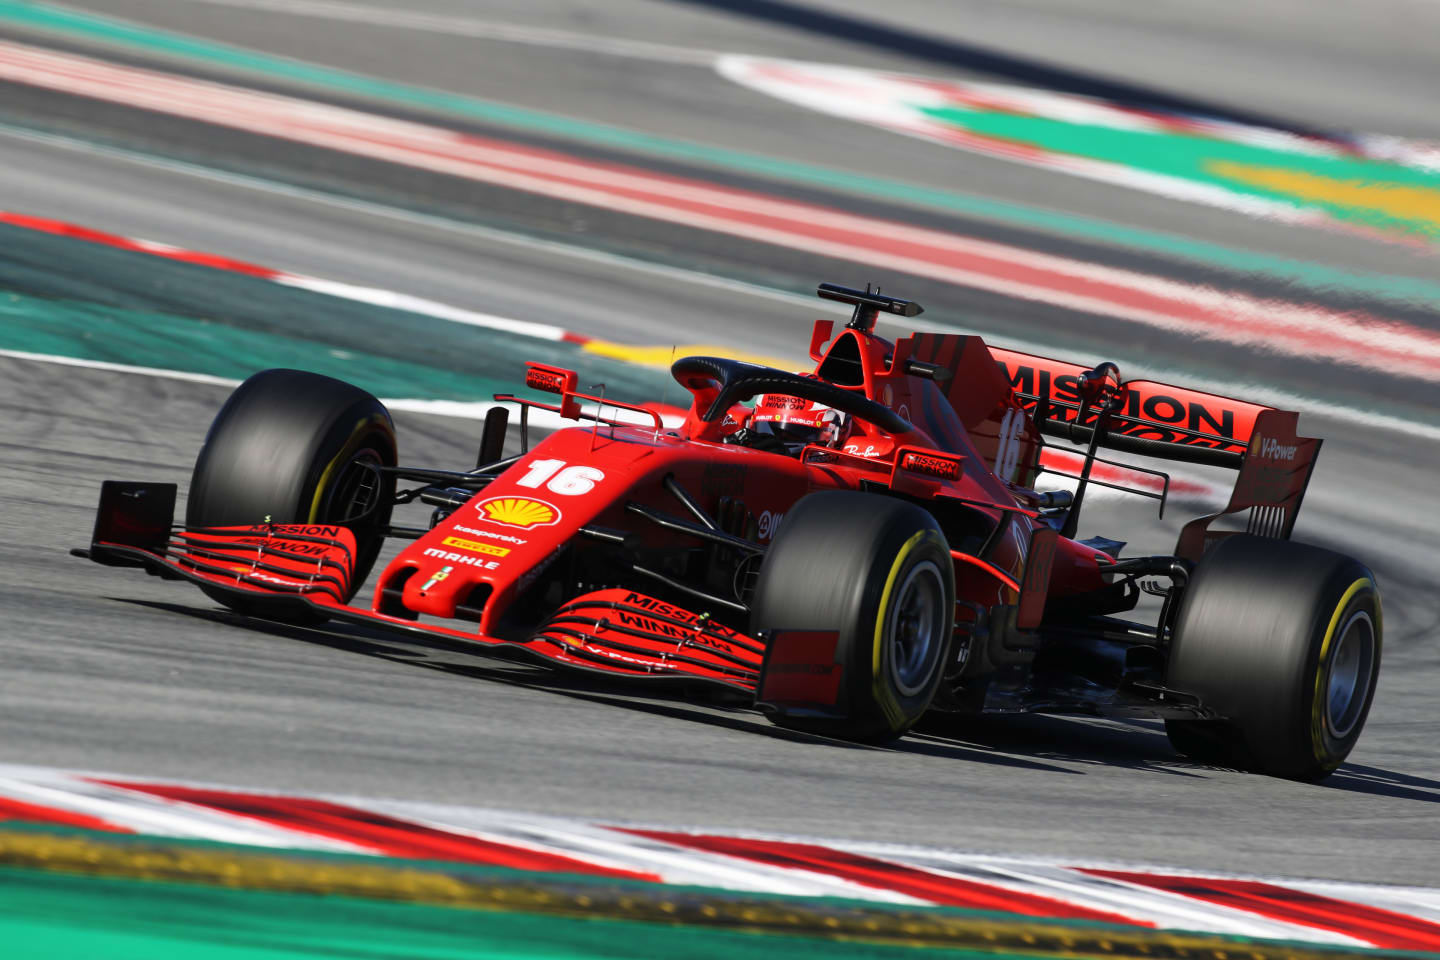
521 512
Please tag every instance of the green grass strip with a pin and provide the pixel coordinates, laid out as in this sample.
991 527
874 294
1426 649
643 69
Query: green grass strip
46 17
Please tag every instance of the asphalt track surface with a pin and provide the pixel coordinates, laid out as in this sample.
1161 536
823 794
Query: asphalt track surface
111 671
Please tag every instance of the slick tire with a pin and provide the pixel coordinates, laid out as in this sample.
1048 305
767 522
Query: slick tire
1214 743
297 447
878 572
1282 641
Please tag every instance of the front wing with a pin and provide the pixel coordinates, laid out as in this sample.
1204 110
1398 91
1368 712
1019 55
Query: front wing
295 572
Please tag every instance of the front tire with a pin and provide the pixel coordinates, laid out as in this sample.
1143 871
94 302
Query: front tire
296 447
878 572
1282 641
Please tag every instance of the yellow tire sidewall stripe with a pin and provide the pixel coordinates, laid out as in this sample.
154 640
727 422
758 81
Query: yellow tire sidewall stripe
1317 706
326 474
880 689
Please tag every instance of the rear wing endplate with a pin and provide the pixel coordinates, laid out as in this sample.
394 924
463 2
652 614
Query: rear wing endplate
1271 485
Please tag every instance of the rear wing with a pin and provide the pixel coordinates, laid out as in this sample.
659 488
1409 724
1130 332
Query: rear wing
1181 424
1153 419
1089 407
1271 485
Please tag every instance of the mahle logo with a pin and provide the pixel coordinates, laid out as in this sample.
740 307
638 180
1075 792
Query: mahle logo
521 512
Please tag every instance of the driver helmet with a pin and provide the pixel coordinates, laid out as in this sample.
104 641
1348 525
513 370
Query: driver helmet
797 420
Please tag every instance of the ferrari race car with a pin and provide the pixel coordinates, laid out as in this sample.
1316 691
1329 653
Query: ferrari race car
848 549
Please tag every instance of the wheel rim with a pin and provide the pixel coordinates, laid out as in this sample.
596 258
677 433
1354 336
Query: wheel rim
914 631
1348 675
355 493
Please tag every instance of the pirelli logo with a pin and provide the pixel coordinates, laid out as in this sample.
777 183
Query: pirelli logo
489 549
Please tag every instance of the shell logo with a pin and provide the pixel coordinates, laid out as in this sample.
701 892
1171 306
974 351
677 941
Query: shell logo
519 512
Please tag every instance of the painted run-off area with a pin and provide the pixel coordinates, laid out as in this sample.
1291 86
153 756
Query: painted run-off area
207 54
79 299
1349 187
154 834
1131 300
1386 185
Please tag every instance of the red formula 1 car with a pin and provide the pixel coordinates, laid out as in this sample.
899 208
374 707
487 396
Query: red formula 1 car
859 546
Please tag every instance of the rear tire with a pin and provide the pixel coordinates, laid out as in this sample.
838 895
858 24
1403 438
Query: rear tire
296 447
878 572
1282 641
1211 742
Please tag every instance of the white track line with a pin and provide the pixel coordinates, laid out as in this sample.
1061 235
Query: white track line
121 368
481 30
462 409
392 300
